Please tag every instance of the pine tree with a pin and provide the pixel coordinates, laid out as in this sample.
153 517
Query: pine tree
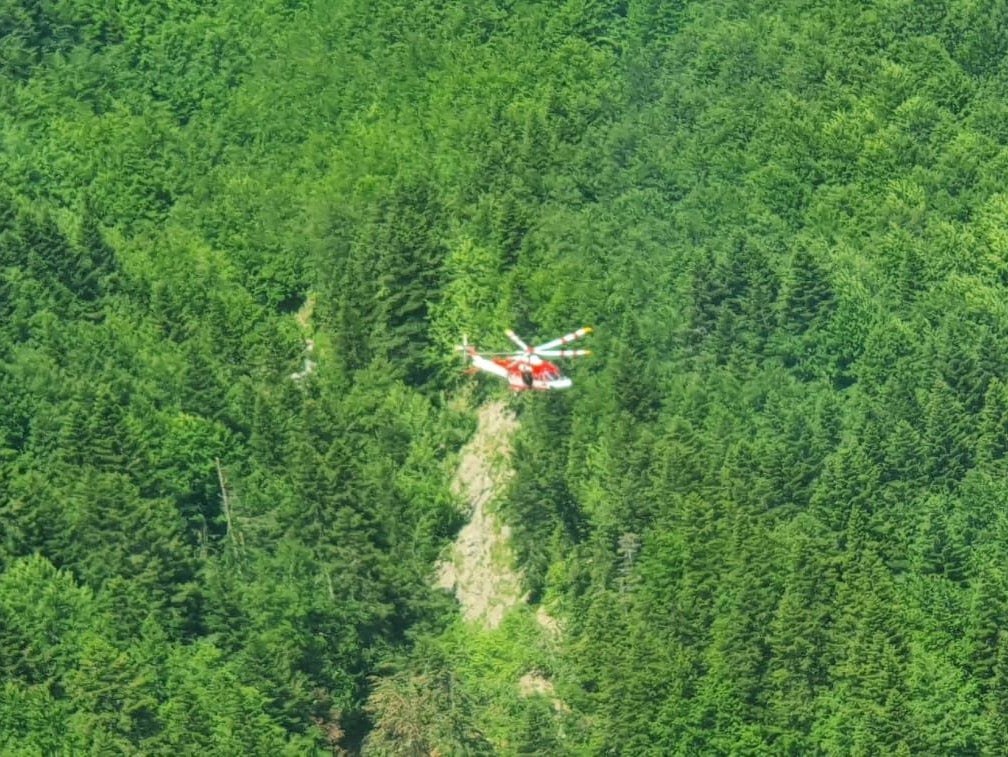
111 693
107 447
995 699
808 297
97 268
987 617
949 435
865 709
390 277
992 441
43 615
422 714
798 633
33 721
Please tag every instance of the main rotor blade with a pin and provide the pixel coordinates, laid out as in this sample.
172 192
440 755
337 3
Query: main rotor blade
563 353
565 339
465 347
514 338
518 355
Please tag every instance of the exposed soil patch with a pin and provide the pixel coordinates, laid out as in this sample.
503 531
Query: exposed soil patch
536 684
480 568
303 318
304 313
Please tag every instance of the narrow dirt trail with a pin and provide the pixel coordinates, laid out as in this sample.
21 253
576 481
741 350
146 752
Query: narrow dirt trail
480 567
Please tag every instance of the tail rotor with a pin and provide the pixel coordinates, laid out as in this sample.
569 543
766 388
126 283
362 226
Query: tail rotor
466 352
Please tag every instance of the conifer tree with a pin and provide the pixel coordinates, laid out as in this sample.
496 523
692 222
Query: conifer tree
96 265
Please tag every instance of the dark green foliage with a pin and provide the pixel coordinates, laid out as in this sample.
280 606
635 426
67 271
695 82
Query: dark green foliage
769 515
97 266
734 302
547 517
387 281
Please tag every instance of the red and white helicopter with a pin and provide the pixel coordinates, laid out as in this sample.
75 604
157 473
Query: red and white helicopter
526 368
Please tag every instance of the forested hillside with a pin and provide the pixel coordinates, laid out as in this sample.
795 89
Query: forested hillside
238 241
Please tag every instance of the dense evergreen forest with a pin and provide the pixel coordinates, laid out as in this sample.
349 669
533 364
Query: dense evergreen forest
238 241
